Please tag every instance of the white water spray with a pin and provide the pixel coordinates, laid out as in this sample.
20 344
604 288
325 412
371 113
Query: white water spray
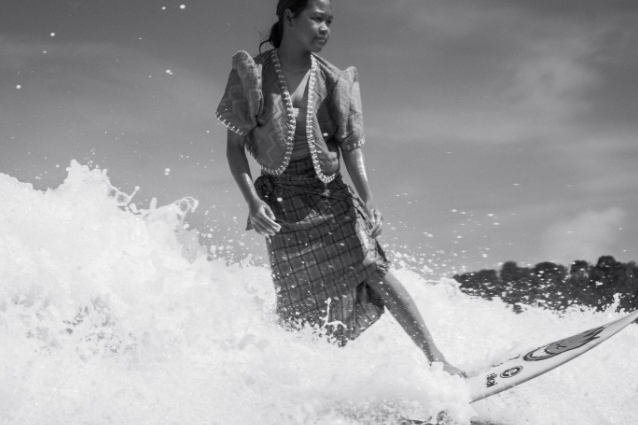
113 314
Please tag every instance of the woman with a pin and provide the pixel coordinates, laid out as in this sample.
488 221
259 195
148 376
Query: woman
297 115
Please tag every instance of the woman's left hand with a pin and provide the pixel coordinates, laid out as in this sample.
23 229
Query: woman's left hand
376 221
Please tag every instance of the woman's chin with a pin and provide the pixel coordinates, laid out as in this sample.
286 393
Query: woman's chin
318 48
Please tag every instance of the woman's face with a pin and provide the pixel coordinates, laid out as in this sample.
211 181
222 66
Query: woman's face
311 28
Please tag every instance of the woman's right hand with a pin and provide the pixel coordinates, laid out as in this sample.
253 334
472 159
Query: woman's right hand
376 221
263 219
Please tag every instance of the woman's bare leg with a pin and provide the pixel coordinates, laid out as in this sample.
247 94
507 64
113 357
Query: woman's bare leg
401 305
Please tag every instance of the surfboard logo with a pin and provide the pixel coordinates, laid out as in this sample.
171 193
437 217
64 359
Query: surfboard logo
491 380
511 372
559 347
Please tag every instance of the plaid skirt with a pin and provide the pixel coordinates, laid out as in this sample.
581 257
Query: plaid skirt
323 255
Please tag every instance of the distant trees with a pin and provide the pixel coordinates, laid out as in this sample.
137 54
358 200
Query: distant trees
553 286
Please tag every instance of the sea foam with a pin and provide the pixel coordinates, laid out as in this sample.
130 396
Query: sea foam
115 314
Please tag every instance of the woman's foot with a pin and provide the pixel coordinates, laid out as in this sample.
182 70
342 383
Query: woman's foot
453 370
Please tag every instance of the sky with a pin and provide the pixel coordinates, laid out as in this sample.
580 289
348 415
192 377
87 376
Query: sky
496 130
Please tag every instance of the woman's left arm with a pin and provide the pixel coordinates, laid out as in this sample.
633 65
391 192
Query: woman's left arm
355 164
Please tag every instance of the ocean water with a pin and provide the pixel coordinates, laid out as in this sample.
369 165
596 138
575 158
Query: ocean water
111 313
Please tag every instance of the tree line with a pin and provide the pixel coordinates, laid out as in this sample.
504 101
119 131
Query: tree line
553 286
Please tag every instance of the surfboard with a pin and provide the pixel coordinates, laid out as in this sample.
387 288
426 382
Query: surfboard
418 422
440 421
534 362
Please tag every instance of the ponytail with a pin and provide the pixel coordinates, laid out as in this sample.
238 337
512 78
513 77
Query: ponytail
277 30
276 34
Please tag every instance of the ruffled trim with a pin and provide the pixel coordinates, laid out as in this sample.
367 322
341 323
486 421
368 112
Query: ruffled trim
290 115
292 122
310 117
354 146
223 121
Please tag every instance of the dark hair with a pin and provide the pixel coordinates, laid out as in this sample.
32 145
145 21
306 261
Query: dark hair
277 30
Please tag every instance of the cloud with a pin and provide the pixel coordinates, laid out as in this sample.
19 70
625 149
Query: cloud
554 77
601 162
498 73
587 236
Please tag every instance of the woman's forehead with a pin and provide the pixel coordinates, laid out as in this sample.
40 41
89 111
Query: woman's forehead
322 6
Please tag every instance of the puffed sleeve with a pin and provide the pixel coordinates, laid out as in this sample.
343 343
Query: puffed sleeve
349 112
243 99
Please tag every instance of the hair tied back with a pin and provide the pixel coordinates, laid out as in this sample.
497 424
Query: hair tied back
277 30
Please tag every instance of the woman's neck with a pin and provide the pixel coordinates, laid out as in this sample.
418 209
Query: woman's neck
294 60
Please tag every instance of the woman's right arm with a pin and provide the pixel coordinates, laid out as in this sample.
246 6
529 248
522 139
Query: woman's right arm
261 216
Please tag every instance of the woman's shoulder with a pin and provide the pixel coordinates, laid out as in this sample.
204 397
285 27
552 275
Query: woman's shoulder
333 73
245 58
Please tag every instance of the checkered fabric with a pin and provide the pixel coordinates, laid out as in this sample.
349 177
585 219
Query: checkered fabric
324 254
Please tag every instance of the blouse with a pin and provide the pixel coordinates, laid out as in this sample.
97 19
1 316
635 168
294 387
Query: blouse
257 104
300 141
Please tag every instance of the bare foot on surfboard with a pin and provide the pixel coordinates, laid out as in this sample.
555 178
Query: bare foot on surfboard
453 370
